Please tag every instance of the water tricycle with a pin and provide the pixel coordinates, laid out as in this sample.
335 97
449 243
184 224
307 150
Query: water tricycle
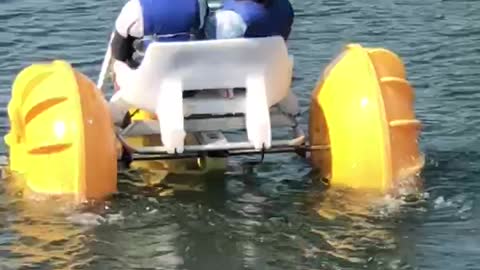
205 101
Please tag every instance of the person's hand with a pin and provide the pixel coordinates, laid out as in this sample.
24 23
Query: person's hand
123 72
116 87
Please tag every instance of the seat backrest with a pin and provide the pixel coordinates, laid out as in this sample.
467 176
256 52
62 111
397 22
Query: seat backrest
211 64
261 65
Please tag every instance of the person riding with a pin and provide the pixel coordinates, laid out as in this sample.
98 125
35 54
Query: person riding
141 21
252 18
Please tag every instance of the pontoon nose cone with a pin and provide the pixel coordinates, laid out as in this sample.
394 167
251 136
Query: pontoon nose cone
61 139
363 108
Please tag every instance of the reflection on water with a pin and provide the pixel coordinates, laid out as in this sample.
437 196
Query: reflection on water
39 234
202 223
361 227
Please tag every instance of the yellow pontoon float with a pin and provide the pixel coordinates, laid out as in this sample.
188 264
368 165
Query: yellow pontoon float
66 138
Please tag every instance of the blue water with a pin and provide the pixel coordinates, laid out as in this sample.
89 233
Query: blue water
275 218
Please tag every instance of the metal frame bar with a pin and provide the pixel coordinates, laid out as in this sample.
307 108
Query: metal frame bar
274 150
202 124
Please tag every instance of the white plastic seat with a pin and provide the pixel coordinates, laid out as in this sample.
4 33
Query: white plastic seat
261 65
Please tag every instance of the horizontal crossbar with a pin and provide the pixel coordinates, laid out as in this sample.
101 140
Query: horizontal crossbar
273 150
